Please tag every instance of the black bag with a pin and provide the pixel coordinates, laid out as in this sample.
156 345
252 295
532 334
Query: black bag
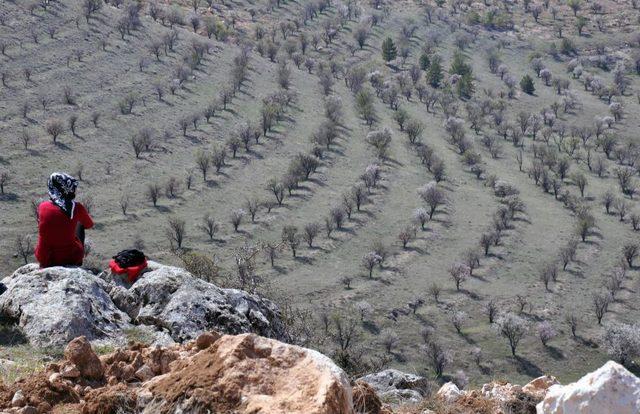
129 258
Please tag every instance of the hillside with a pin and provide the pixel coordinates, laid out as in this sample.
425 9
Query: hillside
293 111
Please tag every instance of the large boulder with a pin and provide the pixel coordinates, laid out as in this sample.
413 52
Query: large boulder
609 389
250 374
397 386
171 298
57 304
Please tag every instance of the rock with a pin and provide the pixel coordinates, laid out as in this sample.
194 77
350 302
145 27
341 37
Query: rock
206 340
250 374
171 298
449 392
80 353
609 389
56 304
539 386
18 399
29 409
144 373
70 371
397 386
55 377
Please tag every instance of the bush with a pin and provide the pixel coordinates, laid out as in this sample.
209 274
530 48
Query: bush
527 85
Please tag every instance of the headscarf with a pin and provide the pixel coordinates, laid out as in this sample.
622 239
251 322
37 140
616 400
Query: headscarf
62 191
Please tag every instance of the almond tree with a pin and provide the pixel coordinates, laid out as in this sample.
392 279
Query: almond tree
512 327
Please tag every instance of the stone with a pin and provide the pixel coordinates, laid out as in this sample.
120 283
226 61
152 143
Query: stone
449 392
80 354
144 373
250 374
539 386
206 340
29 409
18 399
53 306
70 371
172 299
609 389
57 304
397 386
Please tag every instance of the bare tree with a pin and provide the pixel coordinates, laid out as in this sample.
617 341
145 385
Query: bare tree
438 357
203 162
176 232
600 303
291 237
630 252
369 261
252 205
236 218
24 247
389 339
54 128
153 193
209 226
311 230
124 204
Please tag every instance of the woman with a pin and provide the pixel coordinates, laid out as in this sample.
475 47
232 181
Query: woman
61 224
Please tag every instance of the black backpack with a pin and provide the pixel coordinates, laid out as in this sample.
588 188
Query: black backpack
129 258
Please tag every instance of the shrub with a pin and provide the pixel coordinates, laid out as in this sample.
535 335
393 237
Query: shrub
527 85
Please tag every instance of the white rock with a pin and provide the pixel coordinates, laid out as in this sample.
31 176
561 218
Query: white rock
610 389
18 399
449 392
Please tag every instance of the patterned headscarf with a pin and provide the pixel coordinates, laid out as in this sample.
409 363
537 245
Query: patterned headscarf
62 191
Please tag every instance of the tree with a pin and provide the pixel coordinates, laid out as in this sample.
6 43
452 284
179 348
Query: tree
458 318
438 357
138 145
580 180
546 332
433 196
586 222
630 252
434 74
153 193
406 235
486 240
277 188
512 327
236 218
176 232
527 85
209 226
203 162
572 321
600 303
4 179
622 341
389 339
24 247
421 216
370 260
389 50
291 237
311 230
459 272
54 128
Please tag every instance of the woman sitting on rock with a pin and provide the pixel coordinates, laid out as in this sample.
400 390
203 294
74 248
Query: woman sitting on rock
61 224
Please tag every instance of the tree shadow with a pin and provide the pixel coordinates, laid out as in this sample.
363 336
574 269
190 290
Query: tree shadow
527 367
554 352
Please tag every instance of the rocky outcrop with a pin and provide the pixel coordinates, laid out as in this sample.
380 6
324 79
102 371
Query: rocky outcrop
398 387
54 305
609 389
172 299
250 374
241 374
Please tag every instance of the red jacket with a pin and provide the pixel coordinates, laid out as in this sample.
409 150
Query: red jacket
58 244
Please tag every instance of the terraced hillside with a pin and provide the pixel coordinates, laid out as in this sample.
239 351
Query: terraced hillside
413 182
